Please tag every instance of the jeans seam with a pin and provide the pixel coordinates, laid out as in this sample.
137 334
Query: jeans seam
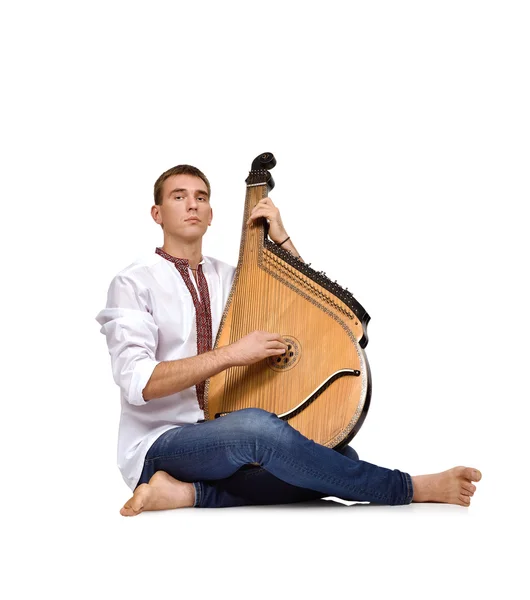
328 479
234 444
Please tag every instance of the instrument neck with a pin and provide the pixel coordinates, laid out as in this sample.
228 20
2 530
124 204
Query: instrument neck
253 235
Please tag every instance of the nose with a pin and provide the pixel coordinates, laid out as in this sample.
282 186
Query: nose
192 203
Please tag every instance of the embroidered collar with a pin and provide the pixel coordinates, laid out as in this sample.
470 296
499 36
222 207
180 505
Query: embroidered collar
178 261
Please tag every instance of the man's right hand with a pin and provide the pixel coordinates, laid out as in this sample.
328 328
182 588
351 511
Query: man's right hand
254 347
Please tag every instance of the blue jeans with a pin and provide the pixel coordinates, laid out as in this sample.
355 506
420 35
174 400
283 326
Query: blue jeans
215 456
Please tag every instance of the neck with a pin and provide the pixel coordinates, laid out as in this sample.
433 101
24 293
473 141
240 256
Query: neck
192 251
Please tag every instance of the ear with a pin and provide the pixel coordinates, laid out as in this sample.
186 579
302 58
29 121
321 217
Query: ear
211 216
155 213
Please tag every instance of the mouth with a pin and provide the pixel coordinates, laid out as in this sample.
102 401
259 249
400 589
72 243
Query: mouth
194 219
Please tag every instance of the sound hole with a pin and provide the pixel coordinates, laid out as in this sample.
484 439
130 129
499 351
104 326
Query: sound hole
289 359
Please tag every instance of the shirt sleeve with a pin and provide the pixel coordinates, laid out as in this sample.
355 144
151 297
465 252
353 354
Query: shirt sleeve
132 337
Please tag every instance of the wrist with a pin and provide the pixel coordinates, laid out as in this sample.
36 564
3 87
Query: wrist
226 357
283 240
289 246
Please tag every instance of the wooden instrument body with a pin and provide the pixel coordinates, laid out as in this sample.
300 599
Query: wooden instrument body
322 386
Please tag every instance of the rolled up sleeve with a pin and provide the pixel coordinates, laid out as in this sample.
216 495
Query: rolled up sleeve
132 337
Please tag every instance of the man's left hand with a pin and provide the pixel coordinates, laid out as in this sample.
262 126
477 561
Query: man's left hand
265 208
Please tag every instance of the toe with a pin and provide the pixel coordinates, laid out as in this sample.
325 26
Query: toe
468 489
464 500
129 511
469 474
136 504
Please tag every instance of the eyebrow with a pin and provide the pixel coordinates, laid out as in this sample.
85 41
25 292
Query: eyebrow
200 192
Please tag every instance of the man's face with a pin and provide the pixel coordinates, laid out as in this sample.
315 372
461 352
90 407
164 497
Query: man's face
185 211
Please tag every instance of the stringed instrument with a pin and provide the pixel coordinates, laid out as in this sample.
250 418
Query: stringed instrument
322 384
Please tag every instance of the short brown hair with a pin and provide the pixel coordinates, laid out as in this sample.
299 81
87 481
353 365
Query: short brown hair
178 170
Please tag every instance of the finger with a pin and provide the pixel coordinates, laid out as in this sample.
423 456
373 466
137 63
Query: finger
262 210
277 350
278 345
262 205
269 206
257 215
274 337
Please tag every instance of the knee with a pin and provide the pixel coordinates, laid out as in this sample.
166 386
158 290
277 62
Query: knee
257 421
349 452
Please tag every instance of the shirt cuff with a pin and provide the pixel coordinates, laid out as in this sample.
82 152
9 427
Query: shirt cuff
143 370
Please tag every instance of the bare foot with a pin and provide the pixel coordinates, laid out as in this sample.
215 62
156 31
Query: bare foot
451 487
163 492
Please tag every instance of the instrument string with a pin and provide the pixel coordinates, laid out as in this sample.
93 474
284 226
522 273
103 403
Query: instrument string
233 335
261 307
243 325
243 307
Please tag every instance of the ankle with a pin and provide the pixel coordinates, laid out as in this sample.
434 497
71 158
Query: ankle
421 488
190 495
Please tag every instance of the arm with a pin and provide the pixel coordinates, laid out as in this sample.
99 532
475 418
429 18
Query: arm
132 338
172 376
290 247
266 208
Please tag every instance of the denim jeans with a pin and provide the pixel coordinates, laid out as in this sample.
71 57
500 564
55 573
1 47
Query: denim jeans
216 457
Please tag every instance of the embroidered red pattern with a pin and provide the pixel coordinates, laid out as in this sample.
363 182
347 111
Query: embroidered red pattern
203 311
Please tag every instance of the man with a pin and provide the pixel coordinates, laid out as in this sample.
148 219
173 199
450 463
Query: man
162 315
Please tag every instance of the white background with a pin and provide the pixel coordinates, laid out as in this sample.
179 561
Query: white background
401 131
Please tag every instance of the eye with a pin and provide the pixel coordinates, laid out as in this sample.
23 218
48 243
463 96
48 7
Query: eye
201 198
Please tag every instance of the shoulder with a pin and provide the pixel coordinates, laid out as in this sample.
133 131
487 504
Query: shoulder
137 277
141 267
224 271
219 266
